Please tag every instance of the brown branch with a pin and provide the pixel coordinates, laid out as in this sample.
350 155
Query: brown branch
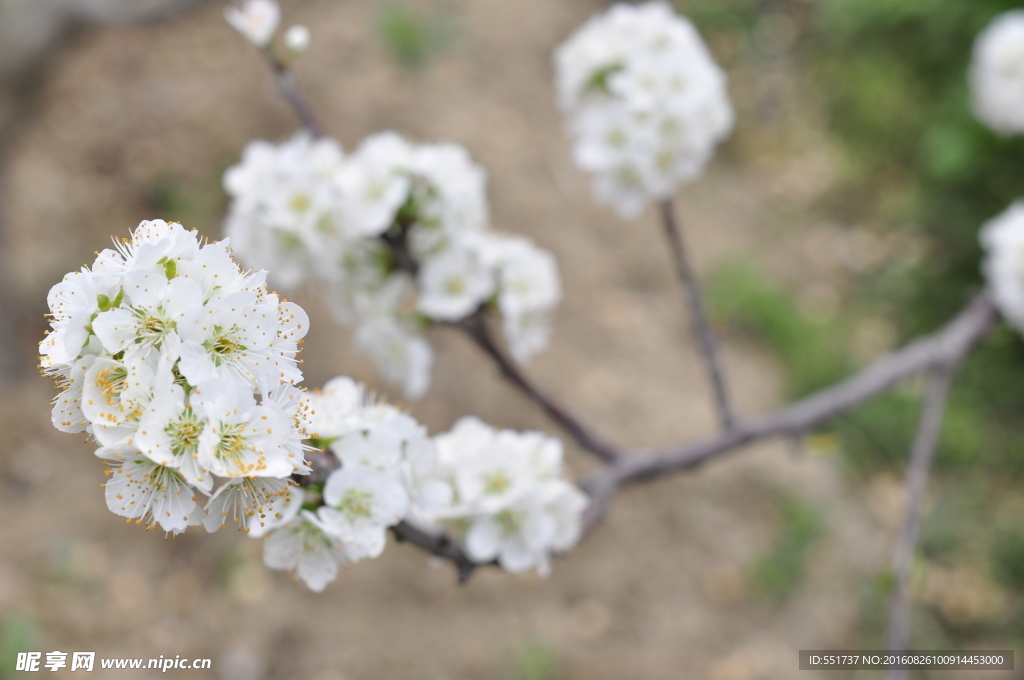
475 326
940 379
289 88
947 346
698 316
439 545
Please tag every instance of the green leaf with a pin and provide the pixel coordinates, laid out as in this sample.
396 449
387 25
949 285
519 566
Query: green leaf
170 269
104 303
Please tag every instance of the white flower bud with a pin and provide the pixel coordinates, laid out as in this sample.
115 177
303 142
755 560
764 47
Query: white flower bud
297 38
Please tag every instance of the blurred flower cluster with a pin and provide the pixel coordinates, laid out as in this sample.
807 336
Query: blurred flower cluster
997 90
997 73
502 495
396 237
1003 239
183 368
644 102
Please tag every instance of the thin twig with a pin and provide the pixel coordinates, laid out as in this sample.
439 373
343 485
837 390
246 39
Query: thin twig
698 316
947 346
290 90
475 326
940 378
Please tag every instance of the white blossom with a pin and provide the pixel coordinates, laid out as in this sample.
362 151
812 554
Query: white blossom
304 547
644 101
285 209
251 504
169 434
1003 240
242 438
510 502
402 356
149 493
73 302
454 284
360 503
523 535
997 73
256 20
376 183
115 395
67 415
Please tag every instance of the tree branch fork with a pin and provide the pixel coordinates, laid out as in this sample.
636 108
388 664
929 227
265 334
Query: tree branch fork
936 355
939 352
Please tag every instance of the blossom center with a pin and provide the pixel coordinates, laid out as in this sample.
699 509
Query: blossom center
111 383
357 503
496 483
185 432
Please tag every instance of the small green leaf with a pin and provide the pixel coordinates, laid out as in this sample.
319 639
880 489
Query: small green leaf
103 302
599 80
170 269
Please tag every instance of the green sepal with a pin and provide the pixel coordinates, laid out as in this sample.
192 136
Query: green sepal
321 442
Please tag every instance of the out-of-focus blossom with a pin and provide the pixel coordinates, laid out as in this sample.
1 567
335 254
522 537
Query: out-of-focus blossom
257 20
997 73
644 101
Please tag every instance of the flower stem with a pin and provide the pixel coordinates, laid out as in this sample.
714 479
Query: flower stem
698 316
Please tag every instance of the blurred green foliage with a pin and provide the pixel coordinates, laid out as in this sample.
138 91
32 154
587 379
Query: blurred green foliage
18 633
778 573
748 299
532 659
198 204
412 36
894 76
1008 557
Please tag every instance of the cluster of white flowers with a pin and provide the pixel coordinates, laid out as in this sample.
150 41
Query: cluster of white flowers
1003 241
511 502
501 494
644 102
997 73
396 236
183 368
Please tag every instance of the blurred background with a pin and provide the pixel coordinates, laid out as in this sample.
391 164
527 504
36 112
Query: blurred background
839 220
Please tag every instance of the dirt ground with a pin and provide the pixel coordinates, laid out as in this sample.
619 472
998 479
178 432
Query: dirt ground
658 593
